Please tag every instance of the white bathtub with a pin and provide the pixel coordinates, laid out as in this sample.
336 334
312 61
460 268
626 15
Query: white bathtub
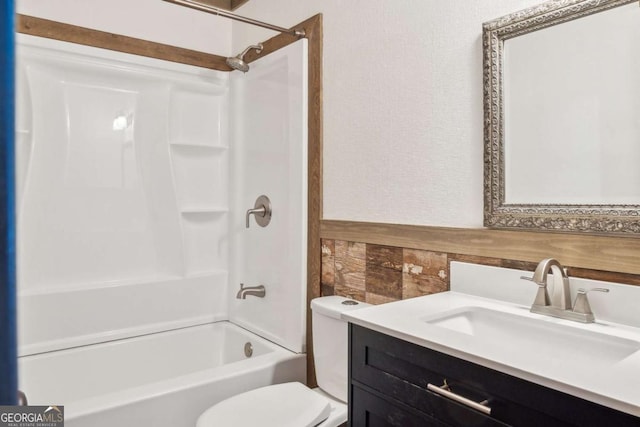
164 379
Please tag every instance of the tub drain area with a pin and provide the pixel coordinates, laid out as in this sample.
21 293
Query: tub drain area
248 349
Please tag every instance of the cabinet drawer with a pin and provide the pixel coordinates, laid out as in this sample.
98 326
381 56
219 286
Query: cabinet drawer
403 370
368 409
433 407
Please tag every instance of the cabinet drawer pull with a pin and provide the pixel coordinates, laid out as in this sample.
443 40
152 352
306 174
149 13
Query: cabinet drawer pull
444 390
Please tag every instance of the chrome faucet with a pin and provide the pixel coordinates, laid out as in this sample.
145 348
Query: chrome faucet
559 303
256 291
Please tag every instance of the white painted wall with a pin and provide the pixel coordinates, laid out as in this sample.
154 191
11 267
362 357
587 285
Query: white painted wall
154 20
402 91
402 104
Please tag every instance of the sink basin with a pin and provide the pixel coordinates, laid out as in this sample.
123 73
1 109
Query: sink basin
552 341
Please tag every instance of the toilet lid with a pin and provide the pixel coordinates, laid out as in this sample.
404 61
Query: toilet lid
280 405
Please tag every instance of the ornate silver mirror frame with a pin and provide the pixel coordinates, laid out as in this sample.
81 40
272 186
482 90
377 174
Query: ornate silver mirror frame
559 217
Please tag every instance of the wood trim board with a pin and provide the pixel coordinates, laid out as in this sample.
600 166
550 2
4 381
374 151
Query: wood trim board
89 37
585 251
234 4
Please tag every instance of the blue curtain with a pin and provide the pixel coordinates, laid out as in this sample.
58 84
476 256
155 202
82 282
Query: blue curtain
8 375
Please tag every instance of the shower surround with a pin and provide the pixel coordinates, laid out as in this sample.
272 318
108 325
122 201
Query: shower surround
134 175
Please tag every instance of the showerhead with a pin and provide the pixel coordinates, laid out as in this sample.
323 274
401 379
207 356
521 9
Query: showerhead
237 62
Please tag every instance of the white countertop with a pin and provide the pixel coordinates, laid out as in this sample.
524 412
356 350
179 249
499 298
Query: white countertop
616 385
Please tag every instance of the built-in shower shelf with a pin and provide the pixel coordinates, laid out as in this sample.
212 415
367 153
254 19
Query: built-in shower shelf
196 146
203 210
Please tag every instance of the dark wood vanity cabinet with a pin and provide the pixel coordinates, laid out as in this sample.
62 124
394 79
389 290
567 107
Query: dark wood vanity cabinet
388 386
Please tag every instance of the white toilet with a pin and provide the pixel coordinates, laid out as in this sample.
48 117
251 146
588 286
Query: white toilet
294 404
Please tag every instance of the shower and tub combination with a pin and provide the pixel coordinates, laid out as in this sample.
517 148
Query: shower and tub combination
143 296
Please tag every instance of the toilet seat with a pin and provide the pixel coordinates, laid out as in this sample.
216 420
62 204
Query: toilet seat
281 405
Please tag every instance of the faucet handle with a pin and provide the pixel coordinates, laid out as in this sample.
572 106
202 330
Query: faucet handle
542 297
581 304
585 291
261 211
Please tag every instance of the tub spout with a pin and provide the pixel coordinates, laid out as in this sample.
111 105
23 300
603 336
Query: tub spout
256 291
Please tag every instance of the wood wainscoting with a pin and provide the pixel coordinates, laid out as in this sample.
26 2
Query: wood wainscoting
377 263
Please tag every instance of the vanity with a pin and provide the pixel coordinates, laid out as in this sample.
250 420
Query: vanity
476 356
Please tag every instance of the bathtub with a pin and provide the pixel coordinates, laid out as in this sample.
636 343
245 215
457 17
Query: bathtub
164 379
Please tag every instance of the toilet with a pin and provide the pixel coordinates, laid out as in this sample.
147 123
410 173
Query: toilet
294 404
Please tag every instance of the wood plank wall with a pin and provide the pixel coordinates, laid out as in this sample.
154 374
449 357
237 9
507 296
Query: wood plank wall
601 257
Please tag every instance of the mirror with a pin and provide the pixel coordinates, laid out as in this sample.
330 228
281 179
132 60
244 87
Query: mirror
562 117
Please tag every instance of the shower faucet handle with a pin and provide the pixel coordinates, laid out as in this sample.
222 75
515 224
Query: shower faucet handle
256 211
261 210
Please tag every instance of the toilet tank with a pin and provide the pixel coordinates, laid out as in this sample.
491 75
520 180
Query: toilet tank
330 343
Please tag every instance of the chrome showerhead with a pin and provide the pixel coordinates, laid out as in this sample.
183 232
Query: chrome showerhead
237 62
